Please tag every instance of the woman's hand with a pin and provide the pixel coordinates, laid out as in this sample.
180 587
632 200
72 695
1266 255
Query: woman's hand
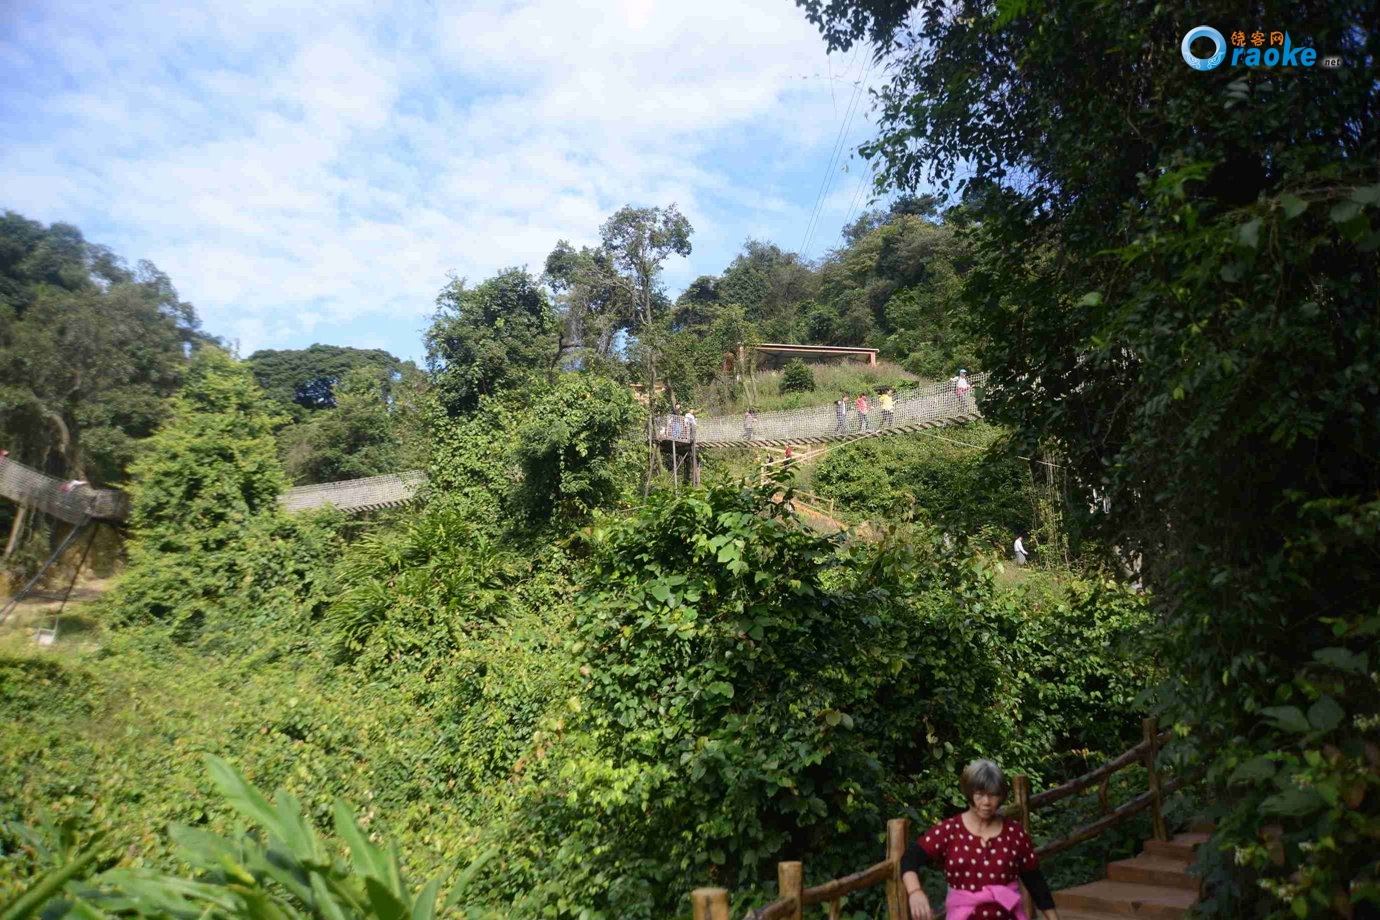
920 906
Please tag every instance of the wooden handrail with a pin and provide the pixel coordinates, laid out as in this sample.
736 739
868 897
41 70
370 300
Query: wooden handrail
712 903
795 898
1110 820
835 889
1058 793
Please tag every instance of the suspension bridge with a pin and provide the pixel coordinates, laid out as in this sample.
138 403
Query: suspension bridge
934 406
84 507
915 410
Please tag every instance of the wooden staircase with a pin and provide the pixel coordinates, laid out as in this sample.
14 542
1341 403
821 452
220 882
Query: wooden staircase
1154 884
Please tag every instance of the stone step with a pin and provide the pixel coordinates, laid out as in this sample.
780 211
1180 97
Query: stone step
1126 899
1180 846
1153 870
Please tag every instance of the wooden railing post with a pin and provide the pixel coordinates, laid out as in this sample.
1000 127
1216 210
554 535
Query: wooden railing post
1021 786
710 903
790 882
897 833
1151 738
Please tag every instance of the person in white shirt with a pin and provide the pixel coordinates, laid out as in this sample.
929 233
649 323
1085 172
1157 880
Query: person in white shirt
1019 547
962 386
690 424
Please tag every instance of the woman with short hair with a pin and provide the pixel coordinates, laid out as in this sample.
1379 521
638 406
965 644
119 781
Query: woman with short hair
982 855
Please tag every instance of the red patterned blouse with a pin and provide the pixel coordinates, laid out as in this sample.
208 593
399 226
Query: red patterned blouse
972 863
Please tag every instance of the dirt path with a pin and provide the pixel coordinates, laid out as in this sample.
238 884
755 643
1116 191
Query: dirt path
75 625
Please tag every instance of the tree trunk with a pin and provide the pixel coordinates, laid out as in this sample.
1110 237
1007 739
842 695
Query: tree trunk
15 528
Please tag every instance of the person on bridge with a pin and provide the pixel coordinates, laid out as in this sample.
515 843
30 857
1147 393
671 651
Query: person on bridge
749 424
888 402
841 415
690 424
982 855
863 408
962 386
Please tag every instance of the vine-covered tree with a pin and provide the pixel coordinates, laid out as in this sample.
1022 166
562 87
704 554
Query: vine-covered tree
209 545
1176 282
490 337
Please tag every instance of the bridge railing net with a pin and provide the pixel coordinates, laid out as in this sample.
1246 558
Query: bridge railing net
27 486
916 406
356 494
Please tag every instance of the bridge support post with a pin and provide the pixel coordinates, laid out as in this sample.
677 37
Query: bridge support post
710 903
16 528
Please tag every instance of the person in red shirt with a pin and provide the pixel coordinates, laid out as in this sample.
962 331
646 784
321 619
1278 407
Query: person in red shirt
863 408
982 855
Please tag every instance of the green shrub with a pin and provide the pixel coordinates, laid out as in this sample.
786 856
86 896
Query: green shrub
282 869
953 480
205 524
797 377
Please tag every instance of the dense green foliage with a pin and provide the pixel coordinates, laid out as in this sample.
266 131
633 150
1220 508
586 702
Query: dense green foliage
89 350
208 544
749 692
1199 251
306 378
377 426
281 869
489 338
952 479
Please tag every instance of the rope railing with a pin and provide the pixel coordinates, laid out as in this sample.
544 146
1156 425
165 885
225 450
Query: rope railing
68 500
368 494
929 406
76 502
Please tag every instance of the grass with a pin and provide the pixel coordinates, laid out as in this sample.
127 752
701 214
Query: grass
831 382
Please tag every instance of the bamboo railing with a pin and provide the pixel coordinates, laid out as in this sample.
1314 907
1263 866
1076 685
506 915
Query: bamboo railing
712 903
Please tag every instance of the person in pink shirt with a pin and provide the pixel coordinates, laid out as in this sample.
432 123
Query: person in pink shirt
863 408
984 857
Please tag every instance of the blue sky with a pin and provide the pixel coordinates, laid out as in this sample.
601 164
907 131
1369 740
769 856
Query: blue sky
313 172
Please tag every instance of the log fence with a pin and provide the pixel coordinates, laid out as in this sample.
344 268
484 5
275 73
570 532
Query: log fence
793 897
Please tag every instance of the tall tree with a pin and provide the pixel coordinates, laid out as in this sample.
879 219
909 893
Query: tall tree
89 350
1176 281
493 336
209 545
305 378
594 306
638 242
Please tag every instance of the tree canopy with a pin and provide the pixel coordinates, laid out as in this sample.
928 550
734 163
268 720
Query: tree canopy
89 350
306 377
490 337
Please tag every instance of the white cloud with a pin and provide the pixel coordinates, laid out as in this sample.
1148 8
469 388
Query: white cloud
295 170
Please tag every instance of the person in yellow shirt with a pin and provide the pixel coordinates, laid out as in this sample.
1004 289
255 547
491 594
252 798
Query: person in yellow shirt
888 408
